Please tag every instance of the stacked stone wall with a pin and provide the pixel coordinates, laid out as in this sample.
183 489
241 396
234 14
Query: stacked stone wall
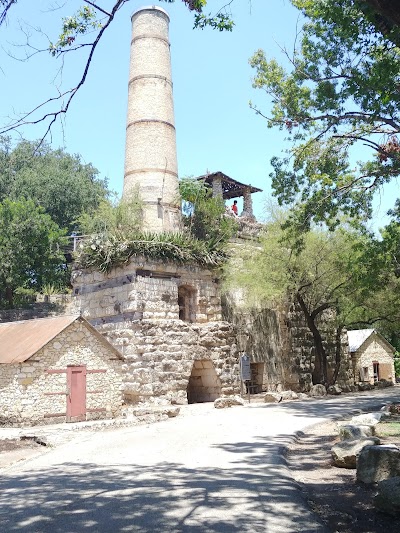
160 357
144 290
137 308
42 307
29 394
281 340
303 350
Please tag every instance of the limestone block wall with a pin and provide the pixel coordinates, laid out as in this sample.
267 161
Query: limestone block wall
260 333
373 350
29 394
144 290
280 339
303 351
137 308
161 355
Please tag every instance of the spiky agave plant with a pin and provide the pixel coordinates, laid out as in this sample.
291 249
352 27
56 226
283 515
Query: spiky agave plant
105 251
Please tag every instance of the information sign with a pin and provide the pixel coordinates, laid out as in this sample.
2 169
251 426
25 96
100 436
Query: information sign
245 372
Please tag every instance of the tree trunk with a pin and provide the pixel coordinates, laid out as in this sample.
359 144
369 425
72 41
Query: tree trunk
321 364
338 353
9 296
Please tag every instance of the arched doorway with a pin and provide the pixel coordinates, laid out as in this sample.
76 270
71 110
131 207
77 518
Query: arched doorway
204 384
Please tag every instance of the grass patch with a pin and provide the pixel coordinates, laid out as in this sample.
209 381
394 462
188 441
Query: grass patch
388 429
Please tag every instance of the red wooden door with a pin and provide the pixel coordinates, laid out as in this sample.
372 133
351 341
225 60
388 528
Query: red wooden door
76 397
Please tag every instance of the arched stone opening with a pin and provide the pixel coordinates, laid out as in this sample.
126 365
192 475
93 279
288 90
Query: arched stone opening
187 303
204 384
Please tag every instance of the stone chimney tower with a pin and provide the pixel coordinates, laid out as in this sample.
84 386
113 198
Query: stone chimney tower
150 153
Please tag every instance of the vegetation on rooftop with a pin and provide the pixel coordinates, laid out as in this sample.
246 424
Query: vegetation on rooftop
116 234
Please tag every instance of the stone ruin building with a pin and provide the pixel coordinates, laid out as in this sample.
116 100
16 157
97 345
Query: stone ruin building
164 318
178 340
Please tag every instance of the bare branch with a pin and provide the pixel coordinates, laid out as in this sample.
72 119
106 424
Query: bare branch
7 5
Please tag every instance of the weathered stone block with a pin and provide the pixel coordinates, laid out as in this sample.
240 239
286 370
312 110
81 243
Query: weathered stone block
368 419
228 401
344 454
376 463
351 432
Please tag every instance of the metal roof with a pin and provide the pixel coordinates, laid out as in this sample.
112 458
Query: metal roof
357 337
22 339
230 187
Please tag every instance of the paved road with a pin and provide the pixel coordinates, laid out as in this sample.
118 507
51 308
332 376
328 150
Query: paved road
206 471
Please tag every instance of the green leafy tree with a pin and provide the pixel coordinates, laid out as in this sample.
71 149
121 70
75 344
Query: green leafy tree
31 249
121 217
339 98
204 215
56 181
334 280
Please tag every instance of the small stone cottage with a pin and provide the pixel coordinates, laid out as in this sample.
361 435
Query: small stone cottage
57 369
372 356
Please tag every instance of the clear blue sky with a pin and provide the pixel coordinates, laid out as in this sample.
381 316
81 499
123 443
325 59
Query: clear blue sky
216 129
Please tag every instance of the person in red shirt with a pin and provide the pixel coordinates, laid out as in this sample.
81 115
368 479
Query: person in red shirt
234 208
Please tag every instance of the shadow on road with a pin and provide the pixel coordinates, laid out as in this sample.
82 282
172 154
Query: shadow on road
166 498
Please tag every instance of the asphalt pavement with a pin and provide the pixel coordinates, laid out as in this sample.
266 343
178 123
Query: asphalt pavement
207 470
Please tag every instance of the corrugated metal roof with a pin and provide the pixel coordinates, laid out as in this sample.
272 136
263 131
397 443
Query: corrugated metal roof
20 340
357 337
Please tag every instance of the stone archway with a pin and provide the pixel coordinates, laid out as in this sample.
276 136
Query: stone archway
204 384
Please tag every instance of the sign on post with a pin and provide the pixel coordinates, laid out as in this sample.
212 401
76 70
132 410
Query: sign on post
245 372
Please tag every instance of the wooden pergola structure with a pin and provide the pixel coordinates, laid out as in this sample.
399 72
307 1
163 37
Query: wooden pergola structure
228 188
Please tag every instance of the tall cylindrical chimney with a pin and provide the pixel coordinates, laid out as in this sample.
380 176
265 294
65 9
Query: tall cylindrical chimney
151 168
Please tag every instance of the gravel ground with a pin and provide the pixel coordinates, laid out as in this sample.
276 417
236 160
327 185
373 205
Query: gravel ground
333 493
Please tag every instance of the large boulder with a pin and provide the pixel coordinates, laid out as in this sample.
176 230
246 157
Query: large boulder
273 397
350 432
368 419
376 463
228 401
318 390
388 496
344 454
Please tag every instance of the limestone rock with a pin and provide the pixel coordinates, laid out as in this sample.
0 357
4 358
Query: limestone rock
334 390
318 390
228 401
302 396
344 453
273 397
351 432
388 497
289 395
376 463
172 412
368 419
365 386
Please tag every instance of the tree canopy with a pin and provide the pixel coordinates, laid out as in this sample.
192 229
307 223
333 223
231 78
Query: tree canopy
345 279
31 249
338 101
58 182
